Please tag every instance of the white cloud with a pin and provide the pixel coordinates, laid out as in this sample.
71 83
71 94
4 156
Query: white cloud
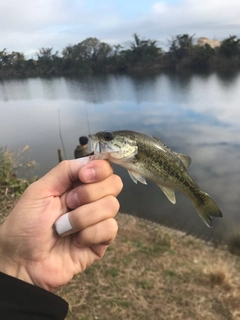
198 13
160 7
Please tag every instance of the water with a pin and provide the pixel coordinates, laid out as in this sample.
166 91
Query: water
197 115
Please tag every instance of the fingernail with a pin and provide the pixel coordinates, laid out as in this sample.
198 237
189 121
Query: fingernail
89 174
73 200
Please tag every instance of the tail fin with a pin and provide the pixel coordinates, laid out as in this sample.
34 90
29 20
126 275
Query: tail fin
208 209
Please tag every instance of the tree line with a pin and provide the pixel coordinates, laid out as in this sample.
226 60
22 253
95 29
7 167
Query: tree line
91 56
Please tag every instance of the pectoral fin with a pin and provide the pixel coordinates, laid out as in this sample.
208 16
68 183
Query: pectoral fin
170 193
136 177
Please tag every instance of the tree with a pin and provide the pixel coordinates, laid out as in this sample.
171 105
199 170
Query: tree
17 60
4 58
117 49
230 47
48 62
181 46
68 52
144 49
200 56
89 55
46 55
93 49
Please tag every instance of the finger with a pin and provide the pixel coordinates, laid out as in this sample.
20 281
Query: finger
86 216
99 250
90 173
95 171
87 193
60 178
102 233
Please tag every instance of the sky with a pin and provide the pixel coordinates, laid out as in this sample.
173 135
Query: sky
28 25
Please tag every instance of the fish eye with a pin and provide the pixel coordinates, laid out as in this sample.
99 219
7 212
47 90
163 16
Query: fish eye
108 136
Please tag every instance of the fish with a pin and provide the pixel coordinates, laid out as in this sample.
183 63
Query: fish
148 157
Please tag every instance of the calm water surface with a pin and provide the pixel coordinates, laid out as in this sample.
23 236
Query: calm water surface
198 115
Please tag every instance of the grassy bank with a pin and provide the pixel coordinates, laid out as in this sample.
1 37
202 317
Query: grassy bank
151 272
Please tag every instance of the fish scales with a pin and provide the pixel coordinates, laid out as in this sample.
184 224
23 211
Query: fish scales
165 165
148 157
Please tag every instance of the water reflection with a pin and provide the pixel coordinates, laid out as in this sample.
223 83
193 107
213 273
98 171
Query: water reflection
194 114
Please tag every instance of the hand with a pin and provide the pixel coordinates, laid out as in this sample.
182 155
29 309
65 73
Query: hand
29 248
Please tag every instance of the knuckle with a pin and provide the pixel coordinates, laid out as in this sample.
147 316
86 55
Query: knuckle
64 164
103 167
112 227
117 183
112 204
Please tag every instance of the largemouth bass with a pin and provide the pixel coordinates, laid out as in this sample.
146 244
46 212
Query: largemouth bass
147 157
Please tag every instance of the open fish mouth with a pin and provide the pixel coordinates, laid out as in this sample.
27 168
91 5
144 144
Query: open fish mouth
101 147
95 146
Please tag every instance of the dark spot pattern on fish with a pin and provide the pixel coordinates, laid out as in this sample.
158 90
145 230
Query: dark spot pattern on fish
150 158
168 168
118 146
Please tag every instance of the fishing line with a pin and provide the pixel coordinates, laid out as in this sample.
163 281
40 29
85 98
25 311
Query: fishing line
60 134
88 125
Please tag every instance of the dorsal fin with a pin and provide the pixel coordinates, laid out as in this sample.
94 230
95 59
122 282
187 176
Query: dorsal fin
186 160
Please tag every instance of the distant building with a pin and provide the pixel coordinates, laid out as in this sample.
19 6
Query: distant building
213 43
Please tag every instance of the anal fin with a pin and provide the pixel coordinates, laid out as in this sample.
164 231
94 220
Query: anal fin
169 193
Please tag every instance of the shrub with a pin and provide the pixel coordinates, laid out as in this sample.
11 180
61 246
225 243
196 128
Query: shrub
13 169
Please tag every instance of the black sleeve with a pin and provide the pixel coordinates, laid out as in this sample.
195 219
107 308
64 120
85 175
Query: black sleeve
21 300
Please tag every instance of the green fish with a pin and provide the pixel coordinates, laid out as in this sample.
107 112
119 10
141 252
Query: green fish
147 157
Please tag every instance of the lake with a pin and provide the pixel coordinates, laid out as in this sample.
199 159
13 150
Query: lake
194 114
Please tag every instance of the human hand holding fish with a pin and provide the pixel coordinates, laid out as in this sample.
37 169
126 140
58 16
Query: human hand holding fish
147 157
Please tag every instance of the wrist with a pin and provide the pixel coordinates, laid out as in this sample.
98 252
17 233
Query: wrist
13 269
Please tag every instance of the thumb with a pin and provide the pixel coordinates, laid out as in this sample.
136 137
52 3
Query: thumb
60 178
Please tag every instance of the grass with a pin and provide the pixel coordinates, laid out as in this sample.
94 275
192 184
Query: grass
11 167
149 272
185 278
234 243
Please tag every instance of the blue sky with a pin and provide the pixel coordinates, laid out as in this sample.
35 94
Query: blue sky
28 25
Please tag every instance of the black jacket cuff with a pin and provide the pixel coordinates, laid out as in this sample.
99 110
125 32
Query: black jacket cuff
21 300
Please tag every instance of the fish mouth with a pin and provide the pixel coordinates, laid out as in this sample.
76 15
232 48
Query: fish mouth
101 147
